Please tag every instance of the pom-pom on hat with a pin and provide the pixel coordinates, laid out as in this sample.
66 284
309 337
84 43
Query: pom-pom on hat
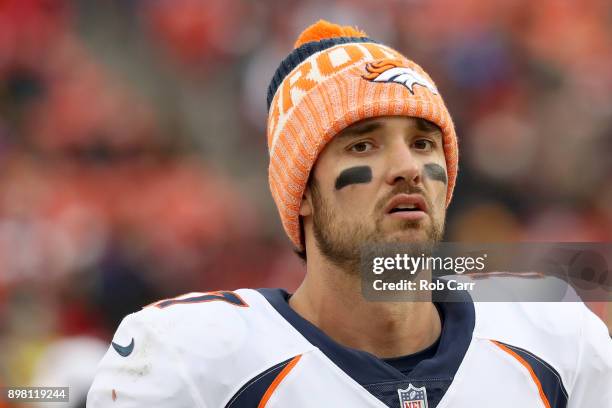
322 30
334 77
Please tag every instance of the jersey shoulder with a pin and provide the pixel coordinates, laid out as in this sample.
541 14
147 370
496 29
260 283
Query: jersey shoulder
222 322
202 346
552 336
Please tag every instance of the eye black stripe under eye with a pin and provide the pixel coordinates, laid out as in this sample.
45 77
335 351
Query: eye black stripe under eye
354 175
435 172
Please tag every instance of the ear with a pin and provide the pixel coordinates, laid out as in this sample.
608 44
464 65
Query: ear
306 205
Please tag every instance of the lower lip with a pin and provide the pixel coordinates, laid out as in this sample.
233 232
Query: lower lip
408 215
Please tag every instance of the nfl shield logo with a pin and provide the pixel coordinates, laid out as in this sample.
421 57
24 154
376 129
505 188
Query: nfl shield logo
413 397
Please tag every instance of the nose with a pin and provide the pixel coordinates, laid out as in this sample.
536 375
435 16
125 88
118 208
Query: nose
403 166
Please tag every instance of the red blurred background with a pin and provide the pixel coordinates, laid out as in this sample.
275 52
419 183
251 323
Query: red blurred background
133 160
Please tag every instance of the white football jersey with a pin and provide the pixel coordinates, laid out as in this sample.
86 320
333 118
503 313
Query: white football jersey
248 348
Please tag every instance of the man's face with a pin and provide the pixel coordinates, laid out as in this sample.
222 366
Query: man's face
381 180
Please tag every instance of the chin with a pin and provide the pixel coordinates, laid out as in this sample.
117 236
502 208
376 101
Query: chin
408 236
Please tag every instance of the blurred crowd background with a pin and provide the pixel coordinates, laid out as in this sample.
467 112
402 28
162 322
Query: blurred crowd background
133 159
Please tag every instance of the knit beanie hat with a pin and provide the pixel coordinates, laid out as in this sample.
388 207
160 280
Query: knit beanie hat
334 77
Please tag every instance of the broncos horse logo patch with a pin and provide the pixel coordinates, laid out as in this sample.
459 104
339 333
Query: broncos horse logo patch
394 71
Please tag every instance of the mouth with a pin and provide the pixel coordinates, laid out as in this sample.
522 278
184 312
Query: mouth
407 206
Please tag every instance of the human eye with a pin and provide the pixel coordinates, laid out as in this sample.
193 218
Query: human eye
361 147
424 144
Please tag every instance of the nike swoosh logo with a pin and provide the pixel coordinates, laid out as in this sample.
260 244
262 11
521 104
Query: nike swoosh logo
124 351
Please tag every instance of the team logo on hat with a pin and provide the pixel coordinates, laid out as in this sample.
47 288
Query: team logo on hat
413 397
393 71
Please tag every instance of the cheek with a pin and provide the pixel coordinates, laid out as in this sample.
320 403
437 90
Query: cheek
439 199
435 172
354 187
435 177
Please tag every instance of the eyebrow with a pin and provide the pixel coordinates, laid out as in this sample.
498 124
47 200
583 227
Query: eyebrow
358 129
426 126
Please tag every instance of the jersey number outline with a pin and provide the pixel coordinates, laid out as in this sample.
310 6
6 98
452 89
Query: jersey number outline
221 295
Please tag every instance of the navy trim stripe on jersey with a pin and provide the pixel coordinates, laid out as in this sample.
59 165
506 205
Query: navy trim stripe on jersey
363 367
373 373
406 364
549 378
300 54
457 309
253 390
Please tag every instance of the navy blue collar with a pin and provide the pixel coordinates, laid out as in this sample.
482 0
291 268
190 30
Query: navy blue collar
406 363
365 368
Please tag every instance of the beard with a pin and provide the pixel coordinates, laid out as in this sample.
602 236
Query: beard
343 243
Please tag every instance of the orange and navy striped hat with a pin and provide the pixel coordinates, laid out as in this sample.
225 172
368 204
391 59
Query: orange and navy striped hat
336 76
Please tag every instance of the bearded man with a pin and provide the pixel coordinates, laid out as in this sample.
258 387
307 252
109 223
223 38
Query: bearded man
362 150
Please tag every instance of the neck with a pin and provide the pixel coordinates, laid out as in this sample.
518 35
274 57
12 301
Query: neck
331 299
